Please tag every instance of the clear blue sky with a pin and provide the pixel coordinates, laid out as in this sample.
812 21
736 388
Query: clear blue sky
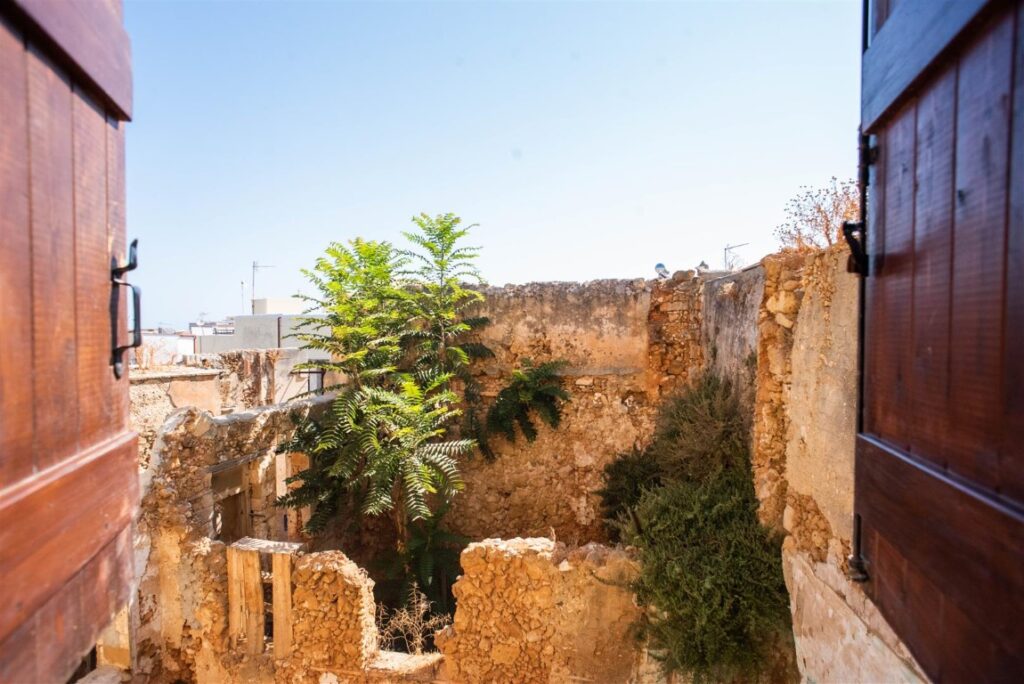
589 140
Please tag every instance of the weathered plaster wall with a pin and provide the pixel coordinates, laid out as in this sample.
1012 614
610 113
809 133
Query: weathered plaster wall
821 399
729 330
532 610
255 377
627 342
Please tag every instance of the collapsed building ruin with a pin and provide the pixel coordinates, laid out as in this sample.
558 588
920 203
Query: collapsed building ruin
230 590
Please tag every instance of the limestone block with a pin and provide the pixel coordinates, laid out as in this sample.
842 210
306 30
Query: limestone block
833 642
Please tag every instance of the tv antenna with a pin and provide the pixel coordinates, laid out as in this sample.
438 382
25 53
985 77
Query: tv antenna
255 267
726 260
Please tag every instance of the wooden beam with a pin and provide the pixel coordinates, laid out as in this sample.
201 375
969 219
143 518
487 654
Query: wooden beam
245 598
267 546
233 462
282 570
252 603
234 597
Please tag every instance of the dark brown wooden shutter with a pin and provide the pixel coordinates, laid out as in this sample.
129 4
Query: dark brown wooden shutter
68 483
940 456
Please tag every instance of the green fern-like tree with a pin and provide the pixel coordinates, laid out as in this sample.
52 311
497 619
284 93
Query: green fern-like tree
360 315
441 271
532 391
390 322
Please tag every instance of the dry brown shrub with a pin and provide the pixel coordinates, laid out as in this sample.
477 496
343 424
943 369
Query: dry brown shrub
410 628
815 217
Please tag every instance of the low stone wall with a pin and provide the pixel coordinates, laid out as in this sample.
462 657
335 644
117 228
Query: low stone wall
332 613
531 610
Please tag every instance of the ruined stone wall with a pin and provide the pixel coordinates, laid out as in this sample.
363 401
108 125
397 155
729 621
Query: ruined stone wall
531 610
155 394
805 423
332 613
627 343
179 613
218 383
781 296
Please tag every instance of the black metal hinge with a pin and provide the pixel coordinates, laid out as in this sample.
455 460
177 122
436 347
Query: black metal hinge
857 262
117 272
857 566
855 232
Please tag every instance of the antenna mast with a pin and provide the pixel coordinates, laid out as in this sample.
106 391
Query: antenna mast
725 254
255 267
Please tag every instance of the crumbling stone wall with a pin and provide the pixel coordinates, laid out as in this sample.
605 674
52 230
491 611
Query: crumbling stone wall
179 625
781 297
675 348
179 614
155 394
532 610
332 613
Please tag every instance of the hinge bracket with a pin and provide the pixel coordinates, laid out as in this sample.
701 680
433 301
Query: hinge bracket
867 154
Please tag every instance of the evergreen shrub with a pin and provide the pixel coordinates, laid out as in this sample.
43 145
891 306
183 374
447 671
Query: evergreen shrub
710 574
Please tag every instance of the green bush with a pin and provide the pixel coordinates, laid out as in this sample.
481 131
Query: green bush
702 431
626 479
712 578
710 573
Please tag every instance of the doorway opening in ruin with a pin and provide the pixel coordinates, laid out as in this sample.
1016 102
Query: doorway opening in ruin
232 519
